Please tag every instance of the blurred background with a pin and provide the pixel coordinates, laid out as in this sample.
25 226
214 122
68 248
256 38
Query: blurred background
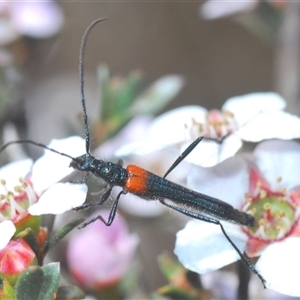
220 52
218 58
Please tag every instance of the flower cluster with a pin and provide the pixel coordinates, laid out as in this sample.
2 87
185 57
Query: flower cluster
264 183
35 192
39 192
266 187
28 191
34 19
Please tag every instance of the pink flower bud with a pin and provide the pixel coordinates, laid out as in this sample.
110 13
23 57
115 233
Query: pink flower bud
100 256
14 259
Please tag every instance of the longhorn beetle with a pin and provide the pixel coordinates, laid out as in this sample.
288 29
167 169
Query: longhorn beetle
147 185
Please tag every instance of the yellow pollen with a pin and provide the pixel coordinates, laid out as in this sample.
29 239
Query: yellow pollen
2 197
279 228
262 222
25 184
21 180
262 194
18 189
249 200
228 113
3 182
253 211
279 217
283 190
279 179
259 184
196 124
267 206
200 127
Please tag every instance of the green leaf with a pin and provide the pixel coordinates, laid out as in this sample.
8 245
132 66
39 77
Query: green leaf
5 297
117 93
128 92
38 283
129 282
169 267
70 292
63 232
171 292
7 291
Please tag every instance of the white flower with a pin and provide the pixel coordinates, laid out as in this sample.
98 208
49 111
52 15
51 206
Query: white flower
60 198
217 9
49 169
213 9
266 187
36 19
31 188
252 118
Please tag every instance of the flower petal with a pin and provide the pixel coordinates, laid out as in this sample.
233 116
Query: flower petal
212 9
13 171
279 264
168 129
126 139
117 252
37 19
227 181
274 124
171 125
59 198
7 230
202 247
278 159
52 167
246 107
210 153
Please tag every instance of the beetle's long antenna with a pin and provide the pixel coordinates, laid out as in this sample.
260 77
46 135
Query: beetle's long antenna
38 145
81 76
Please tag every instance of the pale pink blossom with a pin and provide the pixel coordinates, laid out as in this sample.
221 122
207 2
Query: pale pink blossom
110 251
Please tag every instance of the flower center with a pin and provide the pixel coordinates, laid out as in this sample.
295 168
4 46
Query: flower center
217 125
17 202
275 215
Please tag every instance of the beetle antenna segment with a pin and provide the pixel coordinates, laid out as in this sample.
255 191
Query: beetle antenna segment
81 77
38 145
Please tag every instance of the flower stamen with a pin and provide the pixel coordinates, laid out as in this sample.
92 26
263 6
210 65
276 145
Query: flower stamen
17 202
216 124
15 208
262 194
275 213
